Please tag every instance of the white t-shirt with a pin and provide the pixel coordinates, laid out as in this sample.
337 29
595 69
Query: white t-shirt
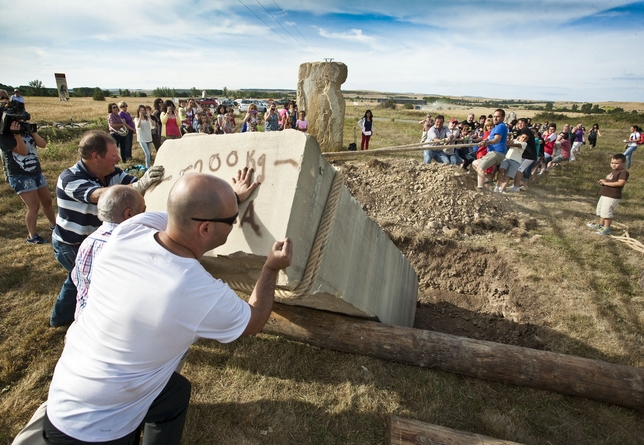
633 138
144 132
516 153
146 306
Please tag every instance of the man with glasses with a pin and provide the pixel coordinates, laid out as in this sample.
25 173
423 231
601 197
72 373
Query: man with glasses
496 144
150 299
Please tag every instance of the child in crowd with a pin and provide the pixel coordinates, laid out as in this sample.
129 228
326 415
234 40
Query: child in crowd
231 113
549 138
482 150
203 124
228 124
302 124
288 121
466 153
611 194
564 155
455 135
510 165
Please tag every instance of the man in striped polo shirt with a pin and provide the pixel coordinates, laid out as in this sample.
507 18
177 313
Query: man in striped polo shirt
77 192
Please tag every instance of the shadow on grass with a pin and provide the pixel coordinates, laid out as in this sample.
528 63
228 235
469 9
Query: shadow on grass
313 395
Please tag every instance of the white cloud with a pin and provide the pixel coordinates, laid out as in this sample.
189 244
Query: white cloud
464 48
353 35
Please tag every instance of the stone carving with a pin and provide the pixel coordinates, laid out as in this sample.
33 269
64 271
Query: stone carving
319 94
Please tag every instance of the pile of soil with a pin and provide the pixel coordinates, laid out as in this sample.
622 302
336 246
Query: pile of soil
435 216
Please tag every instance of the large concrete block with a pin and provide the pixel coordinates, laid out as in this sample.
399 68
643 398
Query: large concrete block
342 260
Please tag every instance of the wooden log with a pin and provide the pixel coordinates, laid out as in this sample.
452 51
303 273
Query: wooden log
402 431
564 374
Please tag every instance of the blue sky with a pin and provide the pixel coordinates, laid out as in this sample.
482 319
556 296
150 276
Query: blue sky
543 50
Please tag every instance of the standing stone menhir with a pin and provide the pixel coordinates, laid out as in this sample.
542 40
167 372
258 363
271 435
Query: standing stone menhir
319 94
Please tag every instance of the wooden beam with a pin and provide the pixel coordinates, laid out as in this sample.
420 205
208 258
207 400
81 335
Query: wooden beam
402 431
564 374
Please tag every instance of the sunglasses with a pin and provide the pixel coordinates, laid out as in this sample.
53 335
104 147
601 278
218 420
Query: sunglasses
230 220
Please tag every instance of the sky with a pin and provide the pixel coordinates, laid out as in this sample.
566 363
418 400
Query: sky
551 50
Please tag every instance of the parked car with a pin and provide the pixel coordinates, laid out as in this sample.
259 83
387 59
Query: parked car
261 105
227 103
206 102
243 105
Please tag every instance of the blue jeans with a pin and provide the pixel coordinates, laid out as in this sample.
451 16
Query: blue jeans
63 312
146 149
629 154
454 159
438 155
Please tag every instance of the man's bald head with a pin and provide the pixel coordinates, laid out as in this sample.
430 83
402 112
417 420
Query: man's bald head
198 195
118 203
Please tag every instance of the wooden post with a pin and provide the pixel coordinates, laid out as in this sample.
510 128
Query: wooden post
565 374
402 431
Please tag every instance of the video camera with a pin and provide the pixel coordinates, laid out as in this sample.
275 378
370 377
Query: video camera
15 112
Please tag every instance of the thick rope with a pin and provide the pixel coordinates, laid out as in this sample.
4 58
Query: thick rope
626 238
421 146
305 286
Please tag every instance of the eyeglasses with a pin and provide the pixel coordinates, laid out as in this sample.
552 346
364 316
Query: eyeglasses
230 220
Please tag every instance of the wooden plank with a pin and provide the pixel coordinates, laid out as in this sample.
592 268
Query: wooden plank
564 374
401 431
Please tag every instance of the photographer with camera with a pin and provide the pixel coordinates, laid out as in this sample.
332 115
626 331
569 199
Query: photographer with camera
19 142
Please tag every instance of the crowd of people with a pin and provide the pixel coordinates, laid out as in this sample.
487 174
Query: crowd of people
170 120
136 296
504 155
136 312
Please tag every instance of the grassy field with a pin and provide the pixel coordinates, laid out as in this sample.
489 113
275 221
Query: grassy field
268 390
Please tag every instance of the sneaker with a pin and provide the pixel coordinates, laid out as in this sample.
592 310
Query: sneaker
496 189
595 226
603 231
36 239
514 189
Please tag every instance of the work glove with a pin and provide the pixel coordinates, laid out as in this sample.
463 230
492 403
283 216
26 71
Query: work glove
153 176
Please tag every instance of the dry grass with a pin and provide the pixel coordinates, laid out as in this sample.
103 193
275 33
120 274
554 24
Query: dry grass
79 109
586 288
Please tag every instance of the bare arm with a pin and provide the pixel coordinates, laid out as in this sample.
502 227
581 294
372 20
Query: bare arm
40 142
261 300
494 140
20 147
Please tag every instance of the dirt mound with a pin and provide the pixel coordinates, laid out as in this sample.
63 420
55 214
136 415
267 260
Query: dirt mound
433 213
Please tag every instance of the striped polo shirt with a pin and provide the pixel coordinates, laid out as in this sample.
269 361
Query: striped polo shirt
77 216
